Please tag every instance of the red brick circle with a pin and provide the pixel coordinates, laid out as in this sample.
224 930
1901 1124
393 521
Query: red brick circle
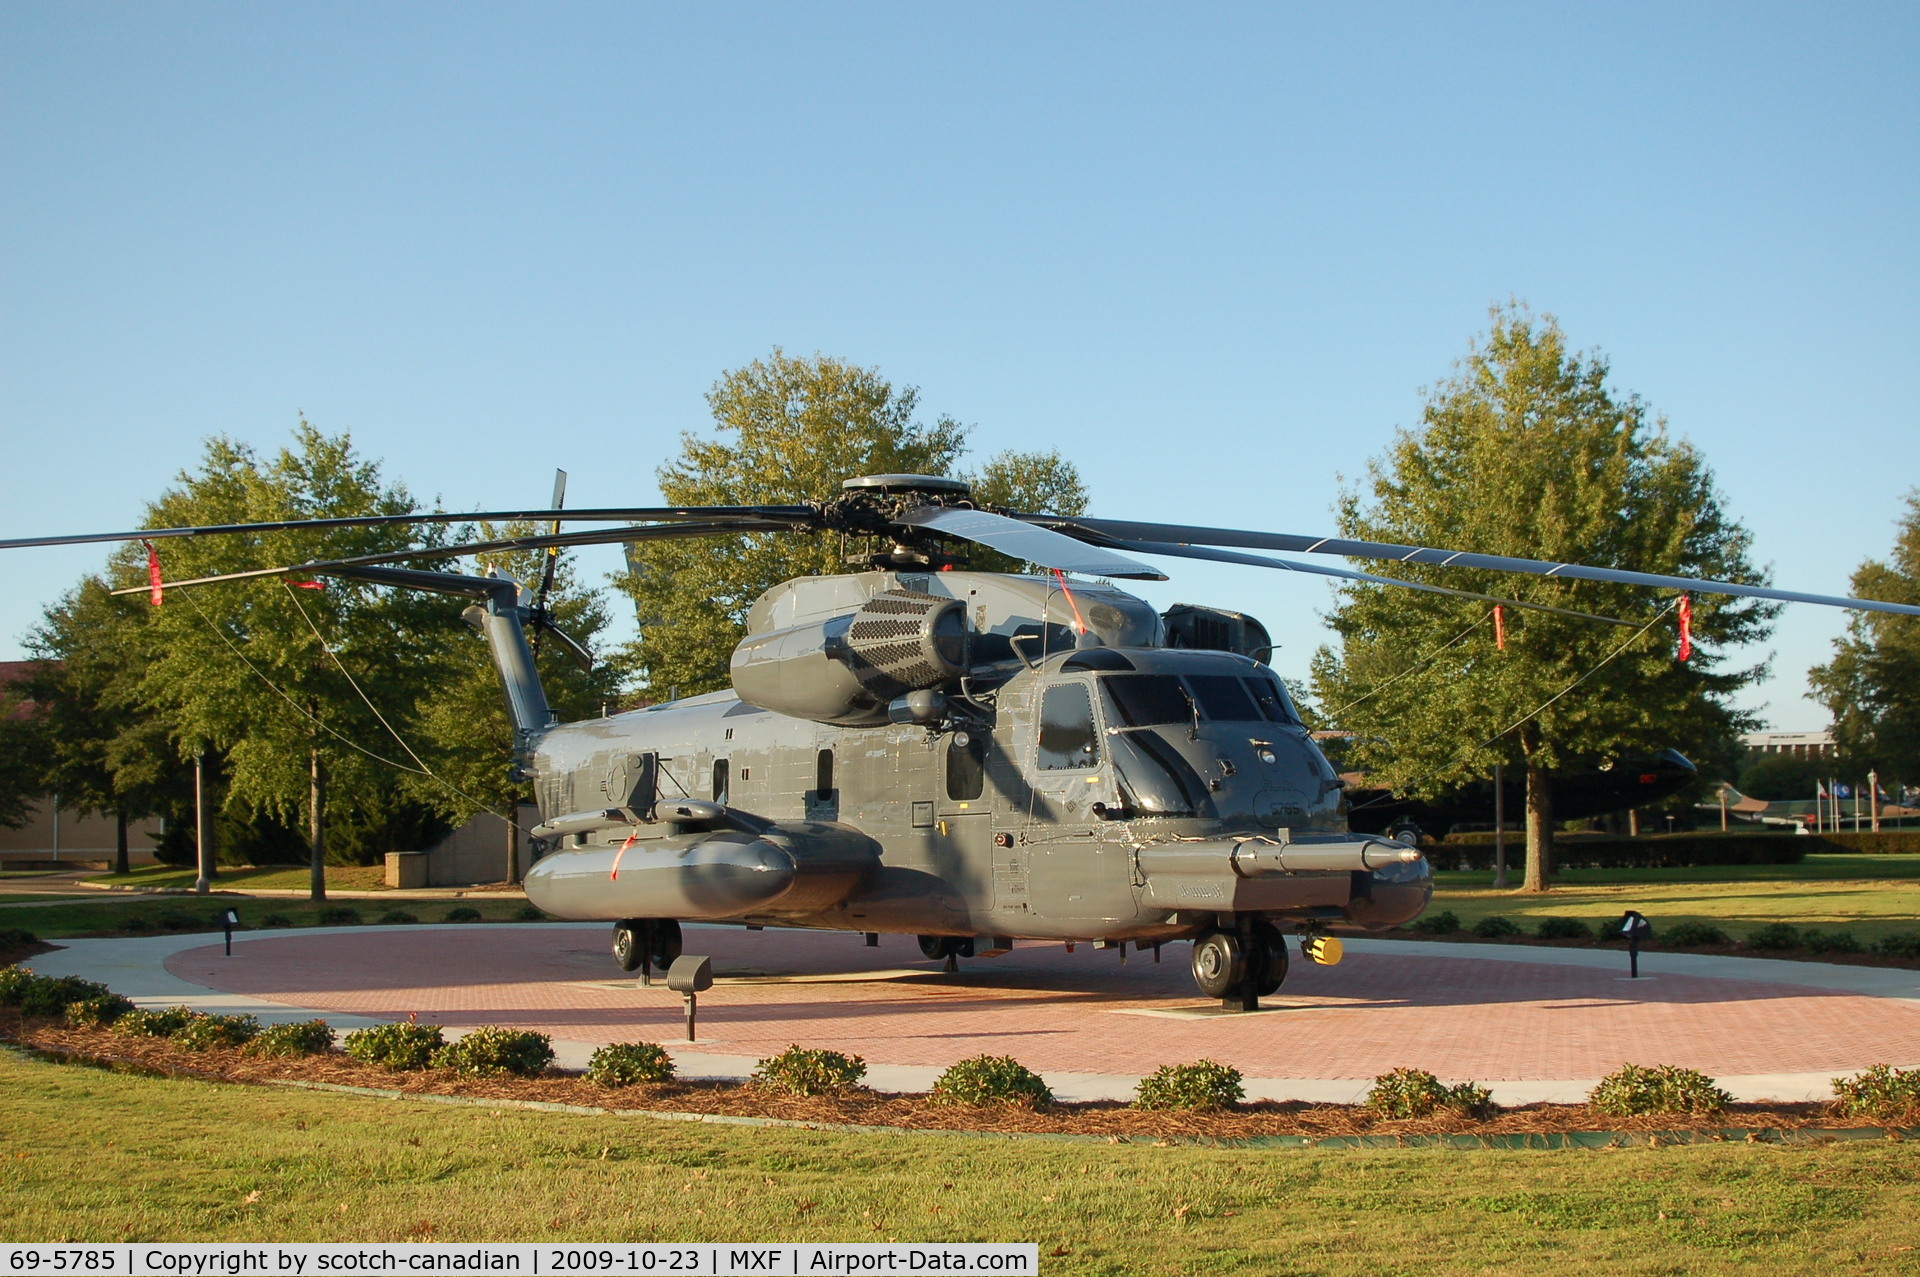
1083 1012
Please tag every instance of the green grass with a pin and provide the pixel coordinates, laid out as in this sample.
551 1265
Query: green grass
1871 896
59 919
90 1155
265 878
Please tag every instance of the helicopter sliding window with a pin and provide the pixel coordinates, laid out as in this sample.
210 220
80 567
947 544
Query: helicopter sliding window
1272 698
1148 700
966 767
720 781
823 776
1224 699
1067 737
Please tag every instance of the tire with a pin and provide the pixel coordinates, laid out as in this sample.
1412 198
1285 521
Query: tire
666 943
1219 966
1270 972
626 944
937 947
1410 835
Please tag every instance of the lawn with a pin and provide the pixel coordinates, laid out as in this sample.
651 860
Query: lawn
147 915
265 878
91 1155
1870 896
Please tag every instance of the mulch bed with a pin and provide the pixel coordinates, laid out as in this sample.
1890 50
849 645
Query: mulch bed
867 1108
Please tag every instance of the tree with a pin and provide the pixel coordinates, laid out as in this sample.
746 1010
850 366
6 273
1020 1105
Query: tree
102 753
1525 451
295 688
1872 685
797 427
22 776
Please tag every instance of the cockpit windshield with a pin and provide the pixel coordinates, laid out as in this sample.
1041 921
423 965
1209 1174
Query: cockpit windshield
1159 700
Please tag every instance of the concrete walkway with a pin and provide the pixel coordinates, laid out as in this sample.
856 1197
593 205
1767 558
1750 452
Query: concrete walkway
1532 1023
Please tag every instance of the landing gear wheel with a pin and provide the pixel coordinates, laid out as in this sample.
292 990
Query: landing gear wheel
626 943
1219 965
1269 972
666 943
1408 835
937 947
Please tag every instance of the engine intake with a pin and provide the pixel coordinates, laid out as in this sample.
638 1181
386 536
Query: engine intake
845 670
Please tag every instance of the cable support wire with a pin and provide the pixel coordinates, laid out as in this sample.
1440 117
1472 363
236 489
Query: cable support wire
1539 709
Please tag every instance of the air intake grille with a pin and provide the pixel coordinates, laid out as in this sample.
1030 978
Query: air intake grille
902 641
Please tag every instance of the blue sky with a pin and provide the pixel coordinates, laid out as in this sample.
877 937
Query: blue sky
1211 252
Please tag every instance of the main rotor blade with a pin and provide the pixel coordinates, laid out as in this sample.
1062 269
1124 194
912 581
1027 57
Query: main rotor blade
783 515
1025 541
598 536
1346 574
1117 530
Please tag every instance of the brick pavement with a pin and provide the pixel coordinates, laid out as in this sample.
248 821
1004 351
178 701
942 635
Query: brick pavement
1083 1012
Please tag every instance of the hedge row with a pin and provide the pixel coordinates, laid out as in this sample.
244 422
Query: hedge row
1475 851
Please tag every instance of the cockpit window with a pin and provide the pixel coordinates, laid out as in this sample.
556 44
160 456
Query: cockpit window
1149 700
1067 737
1273 701
1224 699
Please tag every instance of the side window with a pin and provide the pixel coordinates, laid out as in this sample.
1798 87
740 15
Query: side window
720 781
1067 737
1273 701
966 766
823 776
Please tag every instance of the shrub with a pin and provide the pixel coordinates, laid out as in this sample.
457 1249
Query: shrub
205 1032
1203 1085
530 913
1665 1088
630 1064
97 1012
1563 929
1406 1093
1903 944
1495 926
1690 935
16 938
991 1079
462 913
153 1024
1774 936
135 923
43 995
13 985
400 1046
338 916
799 1071
302 1037
397 917
179 920
1444 923
491 1050
1885 1094
276 920
1829 942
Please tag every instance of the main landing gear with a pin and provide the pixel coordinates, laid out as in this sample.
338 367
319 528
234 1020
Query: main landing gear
652 943
1240 966
952 948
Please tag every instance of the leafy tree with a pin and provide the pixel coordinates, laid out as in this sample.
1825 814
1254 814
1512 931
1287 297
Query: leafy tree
794 428
22 777
293 687
1525 451
1872 684
102 752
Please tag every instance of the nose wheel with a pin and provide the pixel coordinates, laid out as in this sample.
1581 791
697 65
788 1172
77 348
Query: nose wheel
650 942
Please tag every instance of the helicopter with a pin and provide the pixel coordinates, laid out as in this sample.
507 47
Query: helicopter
971 758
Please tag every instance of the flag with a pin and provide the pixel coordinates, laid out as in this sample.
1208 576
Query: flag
156 590
1843 791
1819 789
1686 626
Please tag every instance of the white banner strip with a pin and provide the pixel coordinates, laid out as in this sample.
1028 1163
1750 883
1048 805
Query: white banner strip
670 1259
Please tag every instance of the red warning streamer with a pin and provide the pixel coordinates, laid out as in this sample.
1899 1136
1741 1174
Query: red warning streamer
1079 626
1499 628
1686 626
157 592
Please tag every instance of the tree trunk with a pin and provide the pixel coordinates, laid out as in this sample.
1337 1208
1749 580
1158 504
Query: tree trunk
120 865
317 826
1633 823
513 841
1539 813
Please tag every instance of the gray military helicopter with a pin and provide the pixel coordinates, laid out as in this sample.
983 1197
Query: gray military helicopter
972 758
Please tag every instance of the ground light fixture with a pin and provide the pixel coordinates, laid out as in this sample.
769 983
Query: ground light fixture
228 920
690 976
1637 930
